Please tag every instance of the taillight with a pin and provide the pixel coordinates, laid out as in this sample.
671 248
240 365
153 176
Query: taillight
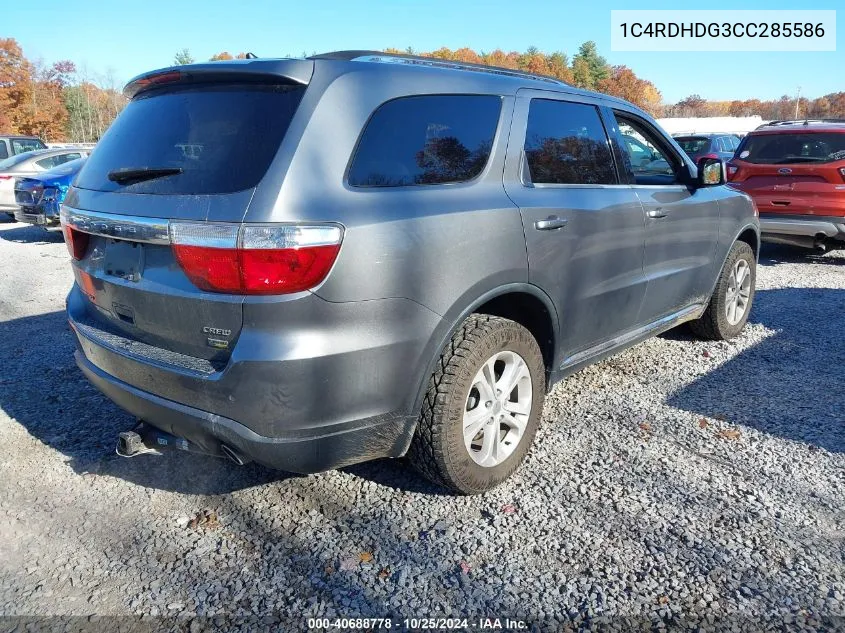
711 155
2 177
76 241
732 169
255 259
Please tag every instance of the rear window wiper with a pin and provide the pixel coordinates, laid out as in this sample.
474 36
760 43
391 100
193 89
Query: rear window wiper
140 174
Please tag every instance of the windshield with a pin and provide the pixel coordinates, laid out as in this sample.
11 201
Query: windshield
211 138
21 145
693 144
800 147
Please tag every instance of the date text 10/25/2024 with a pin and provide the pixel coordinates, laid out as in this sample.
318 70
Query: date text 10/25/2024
419 624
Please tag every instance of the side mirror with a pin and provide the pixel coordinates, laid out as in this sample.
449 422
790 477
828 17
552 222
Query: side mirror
711 172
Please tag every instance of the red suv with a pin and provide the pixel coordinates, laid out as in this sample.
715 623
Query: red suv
795 172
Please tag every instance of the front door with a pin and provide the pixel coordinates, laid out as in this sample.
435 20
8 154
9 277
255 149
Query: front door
584 230
682 222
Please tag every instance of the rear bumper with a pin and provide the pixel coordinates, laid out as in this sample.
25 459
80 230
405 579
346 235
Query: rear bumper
31 216
387 436
802 226
327 391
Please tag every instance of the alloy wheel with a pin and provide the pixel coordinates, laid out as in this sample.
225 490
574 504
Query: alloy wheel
497 409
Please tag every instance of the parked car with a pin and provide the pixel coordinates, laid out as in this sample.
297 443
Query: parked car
646 157
40 197
698 146
795 172
30 164
408 255
14 145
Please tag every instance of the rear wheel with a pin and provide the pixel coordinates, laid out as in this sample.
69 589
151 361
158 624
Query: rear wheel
482 407
730 304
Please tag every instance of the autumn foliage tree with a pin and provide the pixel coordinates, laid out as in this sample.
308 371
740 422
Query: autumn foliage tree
587 70
622 82
58 102
226 55
51 101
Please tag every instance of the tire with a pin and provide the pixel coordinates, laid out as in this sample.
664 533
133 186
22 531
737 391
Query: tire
455 398
716 323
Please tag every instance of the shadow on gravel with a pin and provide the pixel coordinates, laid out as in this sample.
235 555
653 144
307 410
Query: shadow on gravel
30 234
774 254
43 390
791 383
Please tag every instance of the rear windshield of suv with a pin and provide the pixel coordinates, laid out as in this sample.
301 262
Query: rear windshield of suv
693 144
800 147
222 136
426 140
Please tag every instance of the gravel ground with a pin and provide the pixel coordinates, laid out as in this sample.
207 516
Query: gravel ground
681 481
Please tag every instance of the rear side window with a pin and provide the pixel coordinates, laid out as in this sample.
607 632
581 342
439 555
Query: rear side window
426 140
222 136
4 153
21 145
800 147
566 144
58 159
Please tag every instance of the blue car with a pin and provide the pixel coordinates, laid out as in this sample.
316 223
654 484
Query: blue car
40 197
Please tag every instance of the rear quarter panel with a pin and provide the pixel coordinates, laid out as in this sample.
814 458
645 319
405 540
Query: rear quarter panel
736 215
437 245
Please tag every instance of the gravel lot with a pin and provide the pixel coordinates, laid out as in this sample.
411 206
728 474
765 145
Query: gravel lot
698 481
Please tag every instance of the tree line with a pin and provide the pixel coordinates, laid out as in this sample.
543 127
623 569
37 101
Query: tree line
589 70
57 102
60 102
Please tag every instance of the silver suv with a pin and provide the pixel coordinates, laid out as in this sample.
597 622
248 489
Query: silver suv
311 263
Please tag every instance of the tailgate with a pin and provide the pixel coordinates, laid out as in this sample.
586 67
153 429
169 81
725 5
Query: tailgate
136 290
189 151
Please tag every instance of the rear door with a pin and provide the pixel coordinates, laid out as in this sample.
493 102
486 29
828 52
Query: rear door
583 228
792 172
682 224
215 142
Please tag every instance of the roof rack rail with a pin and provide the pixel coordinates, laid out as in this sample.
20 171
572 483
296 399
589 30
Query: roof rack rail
433 62
801 122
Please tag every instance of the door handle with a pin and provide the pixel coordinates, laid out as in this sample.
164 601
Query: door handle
657 213
551 223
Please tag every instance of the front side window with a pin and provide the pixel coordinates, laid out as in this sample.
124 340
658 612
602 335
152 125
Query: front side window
653 165
426 140
566 144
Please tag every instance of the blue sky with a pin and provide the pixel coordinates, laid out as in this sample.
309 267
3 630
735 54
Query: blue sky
131 36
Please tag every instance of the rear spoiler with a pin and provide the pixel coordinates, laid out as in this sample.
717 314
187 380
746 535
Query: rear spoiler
283 71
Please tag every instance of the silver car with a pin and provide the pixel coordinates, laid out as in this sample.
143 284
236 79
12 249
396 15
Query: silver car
31 164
